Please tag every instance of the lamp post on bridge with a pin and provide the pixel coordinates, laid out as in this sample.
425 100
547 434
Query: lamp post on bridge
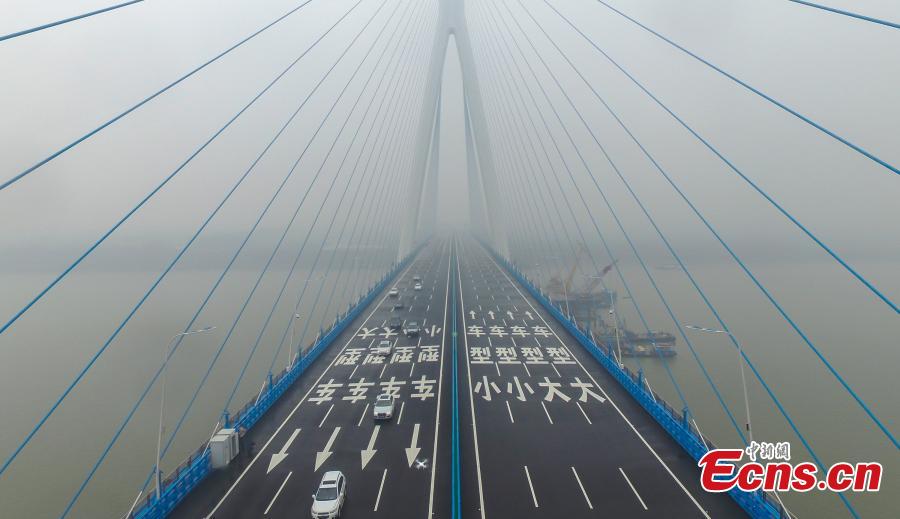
740 365
291 357
162 401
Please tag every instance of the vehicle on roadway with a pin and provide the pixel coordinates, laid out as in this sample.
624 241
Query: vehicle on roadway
417 287
384 407
417 279
399 305
394 292
411 329
384 348
395 323
329 498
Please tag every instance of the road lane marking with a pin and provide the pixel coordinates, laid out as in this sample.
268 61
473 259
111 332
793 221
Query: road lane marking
380 487
510 412
462 303
368 453
437 411
279 456
547 413
363 415
632 488
585 414
302 400
326 415
533 495
354 371
400 415
586 498
413 450
326 452
616 407
411 368
278 492
382 370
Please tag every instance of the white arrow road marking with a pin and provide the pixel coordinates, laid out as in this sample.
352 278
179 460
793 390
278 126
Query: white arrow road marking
529 315
413 450
491 314
367 454
472 314
279 456
325 453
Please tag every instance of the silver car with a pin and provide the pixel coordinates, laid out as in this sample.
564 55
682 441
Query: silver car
384 407
329 498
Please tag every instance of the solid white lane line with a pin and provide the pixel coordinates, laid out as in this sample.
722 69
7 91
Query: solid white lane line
382 370
354 371
586 498
556 370
380 487
510 412
411 368
363 415
605 394
533 495
585 414
462 303
547 413
326 415
277 493
632 488
437 410
400 416
498 369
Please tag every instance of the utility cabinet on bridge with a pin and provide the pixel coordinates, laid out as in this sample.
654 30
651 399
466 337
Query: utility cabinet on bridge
223 447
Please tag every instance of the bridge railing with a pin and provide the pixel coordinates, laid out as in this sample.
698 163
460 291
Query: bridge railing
198 466
758 505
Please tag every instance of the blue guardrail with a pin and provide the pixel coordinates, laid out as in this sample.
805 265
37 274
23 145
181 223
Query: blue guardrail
192 471
758 505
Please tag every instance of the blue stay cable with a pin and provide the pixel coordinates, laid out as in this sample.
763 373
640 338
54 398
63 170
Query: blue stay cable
366 203
67 20
583 238
215 286
169 267
338 204
749 273
144 101
872 288
848 13
756 91
675 321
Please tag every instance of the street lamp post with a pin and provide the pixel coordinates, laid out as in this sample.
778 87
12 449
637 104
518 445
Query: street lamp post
740 365
291 357
162 401
615 316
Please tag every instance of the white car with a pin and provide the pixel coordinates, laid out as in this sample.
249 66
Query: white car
384 407
329 498
384 347
394 292
417 287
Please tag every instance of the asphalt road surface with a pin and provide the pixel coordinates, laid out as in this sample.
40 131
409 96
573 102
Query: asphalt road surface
328 424
544 430
550 433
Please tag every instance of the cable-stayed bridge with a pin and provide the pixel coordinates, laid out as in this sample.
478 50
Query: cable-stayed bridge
202 275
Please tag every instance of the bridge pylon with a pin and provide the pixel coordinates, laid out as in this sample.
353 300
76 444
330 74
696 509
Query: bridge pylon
484 198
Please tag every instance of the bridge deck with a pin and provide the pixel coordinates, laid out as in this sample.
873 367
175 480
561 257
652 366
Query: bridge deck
552 433
587 450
